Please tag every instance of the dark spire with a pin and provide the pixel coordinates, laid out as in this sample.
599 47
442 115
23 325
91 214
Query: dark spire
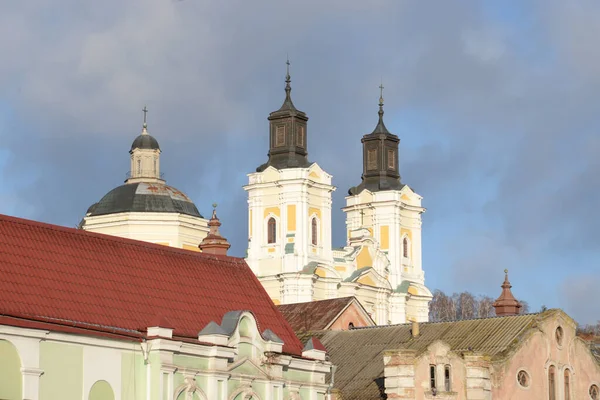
380 158
287 103
506 304
145 125
287 133
380 128
214 243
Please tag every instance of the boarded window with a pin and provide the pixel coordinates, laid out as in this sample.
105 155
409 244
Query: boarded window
372 159
300 136
280 136
391 159
314 231
271 230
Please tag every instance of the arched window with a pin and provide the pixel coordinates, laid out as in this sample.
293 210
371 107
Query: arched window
567 385
139 166
432 380
271 230
314 231
594 392
552 383
447 386
405 247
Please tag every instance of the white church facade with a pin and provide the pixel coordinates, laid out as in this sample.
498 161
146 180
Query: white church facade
289 221
290 243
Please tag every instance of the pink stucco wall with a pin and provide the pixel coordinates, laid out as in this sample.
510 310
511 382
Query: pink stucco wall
538 352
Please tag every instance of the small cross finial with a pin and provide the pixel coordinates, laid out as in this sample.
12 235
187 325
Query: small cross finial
381 94
145 110
287 71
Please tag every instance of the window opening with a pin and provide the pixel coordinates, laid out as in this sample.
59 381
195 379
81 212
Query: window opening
314 231
567 385
594 392
559 335
523 378
271 230
405 247
552 383
447 378
432 376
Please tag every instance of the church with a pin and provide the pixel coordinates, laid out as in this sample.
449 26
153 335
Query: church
289 220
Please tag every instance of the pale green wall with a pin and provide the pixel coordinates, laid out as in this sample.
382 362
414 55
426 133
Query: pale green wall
10 372
101 390
192 362
63 371
133 377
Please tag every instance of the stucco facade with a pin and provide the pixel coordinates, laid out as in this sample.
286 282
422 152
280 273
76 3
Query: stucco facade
42 364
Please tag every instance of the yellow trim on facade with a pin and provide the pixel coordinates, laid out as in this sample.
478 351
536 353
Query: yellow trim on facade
370 231
413 290
190 247
313 174
405 197
291 217
276 302
162 243
366 280
290 240
384 237
272 210
271 249
340 268
321 272
364 259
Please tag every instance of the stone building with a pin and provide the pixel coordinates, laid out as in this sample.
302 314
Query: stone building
289 221
513 356
95 317
145 207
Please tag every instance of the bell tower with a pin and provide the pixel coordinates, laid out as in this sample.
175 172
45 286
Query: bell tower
391 212
289 209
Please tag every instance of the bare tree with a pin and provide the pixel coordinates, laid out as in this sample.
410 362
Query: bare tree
441 308
485 307
466 305
524 307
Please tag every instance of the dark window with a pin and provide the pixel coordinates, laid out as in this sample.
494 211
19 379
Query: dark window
405 247
552 383
567 385
523 378
314 231
351 325
139 166
447 386
559 335
432 376
271 230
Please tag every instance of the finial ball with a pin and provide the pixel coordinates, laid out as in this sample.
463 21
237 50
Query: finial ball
214 205
506 271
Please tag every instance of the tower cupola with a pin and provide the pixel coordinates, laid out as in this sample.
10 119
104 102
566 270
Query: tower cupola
287 134
506 304
145 157
380 158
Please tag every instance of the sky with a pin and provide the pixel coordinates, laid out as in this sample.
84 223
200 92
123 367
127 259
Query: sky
496 105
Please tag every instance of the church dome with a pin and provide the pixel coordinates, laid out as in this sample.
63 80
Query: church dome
144 197
146 142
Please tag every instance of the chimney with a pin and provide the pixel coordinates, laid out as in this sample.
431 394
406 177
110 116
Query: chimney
415 329
506 304
214 243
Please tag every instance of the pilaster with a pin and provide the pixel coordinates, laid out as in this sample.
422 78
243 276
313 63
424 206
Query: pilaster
478 377
399 373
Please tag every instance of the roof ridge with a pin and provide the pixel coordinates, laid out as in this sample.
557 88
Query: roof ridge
450 322
109 238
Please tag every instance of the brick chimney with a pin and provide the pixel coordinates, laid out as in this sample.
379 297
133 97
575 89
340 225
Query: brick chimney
506 304
214 243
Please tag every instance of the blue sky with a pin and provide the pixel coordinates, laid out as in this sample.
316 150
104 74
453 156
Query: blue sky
496 105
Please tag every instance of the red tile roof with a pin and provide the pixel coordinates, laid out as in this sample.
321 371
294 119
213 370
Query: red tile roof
71 277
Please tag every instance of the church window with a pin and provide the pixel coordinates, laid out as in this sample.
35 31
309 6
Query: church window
280 136
391 159
300 136
405 247
314 231
594 392
271 230
523 378
372 159
567 384
447 387
351 325
139 166
552 383
432 377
